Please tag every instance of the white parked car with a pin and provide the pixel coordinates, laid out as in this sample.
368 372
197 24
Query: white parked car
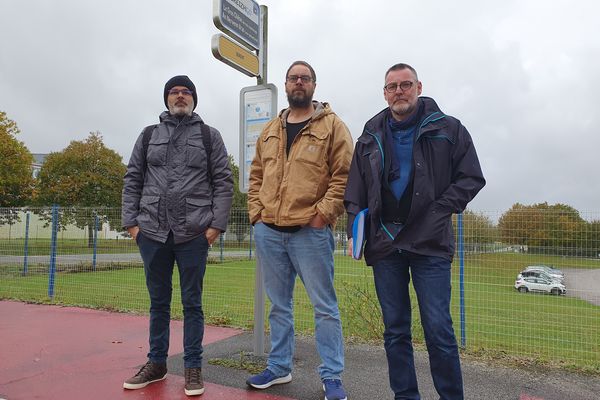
538 274
553 272
533 284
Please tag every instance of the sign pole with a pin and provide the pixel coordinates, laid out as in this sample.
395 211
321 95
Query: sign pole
246 22
259 290
262 78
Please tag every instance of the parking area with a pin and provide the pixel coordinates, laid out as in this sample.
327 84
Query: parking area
583 284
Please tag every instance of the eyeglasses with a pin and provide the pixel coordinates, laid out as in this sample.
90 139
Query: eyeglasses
393 86
176 92
294 78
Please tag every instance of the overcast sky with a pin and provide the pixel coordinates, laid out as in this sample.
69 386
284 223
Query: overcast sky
522 76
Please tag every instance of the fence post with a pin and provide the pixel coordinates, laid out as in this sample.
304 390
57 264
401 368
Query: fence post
221 243
26 249
53 251
461 257
250 244
94 257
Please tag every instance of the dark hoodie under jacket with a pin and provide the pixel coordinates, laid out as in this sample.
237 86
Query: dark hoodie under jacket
446 174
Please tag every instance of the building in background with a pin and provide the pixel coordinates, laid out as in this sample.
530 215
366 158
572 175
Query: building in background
38 160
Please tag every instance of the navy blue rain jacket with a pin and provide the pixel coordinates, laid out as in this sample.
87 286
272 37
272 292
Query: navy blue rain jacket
447 175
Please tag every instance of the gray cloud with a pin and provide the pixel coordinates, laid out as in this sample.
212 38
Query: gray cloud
522 76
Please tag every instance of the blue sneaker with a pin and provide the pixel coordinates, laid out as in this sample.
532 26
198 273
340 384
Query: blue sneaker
334 390
267 379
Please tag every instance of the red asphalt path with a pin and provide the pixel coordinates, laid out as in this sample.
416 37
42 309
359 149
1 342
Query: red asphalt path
52 352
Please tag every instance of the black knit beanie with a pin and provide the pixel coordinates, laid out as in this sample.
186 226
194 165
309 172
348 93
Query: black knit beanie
180 80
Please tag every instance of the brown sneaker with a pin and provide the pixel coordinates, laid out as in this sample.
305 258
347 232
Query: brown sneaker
194 385
150 372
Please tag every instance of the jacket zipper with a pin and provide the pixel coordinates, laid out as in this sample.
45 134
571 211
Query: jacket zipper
381 224
430 118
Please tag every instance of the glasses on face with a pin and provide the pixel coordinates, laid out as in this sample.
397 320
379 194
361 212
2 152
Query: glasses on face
184 92
393 86
294 78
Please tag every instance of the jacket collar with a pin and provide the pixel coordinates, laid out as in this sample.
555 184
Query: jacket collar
431 119
321 109
166 116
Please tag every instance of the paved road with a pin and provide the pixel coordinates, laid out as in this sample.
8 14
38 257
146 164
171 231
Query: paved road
72 258
584 284
66 259
366 375
50 352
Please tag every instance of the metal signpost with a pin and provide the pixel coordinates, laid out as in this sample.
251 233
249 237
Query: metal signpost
246 22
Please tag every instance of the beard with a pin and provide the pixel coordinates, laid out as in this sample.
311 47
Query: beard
403 109
180 110
296 99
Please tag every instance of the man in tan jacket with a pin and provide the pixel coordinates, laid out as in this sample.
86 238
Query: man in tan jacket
297 182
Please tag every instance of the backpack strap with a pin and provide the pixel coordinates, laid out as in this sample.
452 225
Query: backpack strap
146 135
207 142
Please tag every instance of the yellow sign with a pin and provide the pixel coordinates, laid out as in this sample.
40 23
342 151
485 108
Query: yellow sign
234 55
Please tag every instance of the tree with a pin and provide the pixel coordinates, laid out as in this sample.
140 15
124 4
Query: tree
238 221
478 230
543 228
85 179
16 179
518 224
590 238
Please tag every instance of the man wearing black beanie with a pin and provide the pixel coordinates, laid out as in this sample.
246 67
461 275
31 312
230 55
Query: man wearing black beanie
177 193
180 80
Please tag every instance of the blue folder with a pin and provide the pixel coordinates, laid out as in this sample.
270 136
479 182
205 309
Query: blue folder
358 234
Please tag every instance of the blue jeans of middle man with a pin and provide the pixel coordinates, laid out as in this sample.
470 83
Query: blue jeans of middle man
307 254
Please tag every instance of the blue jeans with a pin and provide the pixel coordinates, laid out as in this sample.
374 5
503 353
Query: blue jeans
308 254
159 259
431 280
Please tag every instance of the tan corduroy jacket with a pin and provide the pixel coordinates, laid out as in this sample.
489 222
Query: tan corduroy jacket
288 190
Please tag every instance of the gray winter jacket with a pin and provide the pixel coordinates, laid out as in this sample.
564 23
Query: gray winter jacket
174 193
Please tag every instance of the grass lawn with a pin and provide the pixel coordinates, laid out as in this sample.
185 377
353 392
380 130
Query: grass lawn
499 321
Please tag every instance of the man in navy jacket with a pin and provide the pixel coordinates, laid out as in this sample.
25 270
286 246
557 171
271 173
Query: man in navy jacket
413 167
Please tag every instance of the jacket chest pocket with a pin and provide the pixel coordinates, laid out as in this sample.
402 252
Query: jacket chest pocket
311 149
157 151
196 154
436 162
270 149
271 174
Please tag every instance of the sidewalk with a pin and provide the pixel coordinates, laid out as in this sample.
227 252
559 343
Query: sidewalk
51 352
